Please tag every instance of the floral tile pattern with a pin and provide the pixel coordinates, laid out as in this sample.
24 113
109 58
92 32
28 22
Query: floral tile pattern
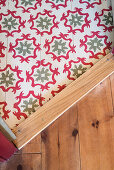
44 46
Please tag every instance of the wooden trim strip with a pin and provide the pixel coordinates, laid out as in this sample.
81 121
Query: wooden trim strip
50 111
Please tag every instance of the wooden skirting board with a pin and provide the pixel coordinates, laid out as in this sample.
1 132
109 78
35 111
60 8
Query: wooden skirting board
53 109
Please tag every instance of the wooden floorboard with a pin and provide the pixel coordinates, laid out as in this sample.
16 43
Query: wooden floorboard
50 148
33 146
82 139
96 129
69 141
112 89
23 162
60 143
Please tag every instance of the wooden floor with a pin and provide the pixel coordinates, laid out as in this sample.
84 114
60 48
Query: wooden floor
82 139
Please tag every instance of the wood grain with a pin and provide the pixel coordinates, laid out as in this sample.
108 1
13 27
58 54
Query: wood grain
64 100
50 148
96 127
33 146
69 156
60 143
23 162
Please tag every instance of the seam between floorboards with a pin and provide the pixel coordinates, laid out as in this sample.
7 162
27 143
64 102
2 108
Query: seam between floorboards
38 153
111 95
78 136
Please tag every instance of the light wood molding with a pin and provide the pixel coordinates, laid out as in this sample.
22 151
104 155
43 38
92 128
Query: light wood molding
53 109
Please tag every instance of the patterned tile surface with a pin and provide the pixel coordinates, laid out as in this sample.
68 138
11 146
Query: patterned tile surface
44 46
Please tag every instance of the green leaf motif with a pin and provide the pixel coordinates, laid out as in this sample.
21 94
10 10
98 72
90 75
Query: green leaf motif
9 23
76 20
42 75
95 44
7 78
27 2
59 46
44 23
108 19
29 106
25 48
78 70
